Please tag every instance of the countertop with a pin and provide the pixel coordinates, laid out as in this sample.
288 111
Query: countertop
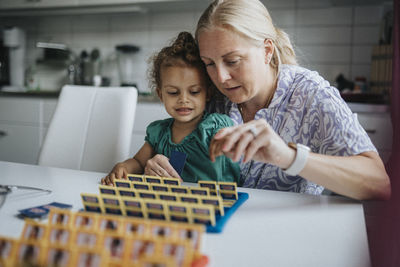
355 106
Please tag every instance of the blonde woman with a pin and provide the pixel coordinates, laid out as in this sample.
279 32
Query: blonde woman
293 131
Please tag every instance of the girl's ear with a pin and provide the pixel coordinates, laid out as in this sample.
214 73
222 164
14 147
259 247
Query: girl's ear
158 90
269 50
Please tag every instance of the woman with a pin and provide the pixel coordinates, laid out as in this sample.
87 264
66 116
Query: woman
294 132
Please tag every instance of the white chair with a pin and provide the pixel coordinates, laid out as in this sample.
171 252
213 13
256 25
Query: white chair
91 128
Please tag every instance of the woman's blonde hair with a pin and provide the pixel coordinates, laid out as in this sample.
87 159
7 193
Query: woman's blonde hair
250 19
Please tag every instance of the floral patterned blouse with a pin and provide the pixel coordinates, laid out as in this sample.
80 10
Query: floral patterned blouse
305 109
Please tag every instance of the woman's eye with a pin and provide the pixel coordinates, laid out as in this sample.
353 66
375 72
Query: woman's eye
195 92
209 64
232 62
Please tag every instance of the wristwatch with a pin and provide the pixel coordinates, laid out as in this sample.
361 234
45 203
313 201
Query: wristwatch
300 161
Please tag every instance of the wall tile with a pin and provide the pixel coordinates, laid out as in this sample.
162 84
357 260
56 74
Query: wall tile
325 16
366 35
283 18
129 22
275 4
362 54
368 15
325 54
168 21
324 35
363 70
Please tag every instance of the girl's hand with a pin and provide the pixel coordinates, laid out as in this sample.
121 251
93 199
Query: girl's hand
256 140
159 166
120 171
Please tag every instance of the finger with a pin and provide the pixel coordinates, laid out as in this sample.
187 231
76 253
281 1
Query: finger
223 132
240 131
103 180
241 146
112 178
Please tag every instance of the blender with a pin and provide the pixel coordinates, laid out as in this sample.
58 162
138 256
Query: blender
126 57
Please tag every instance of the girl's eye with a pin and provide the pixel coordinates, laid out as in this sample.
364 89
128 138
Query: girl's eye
172 93
195 92
209 64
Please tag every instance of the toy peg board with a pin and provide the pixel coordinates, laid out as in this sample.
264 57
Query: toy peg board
221 220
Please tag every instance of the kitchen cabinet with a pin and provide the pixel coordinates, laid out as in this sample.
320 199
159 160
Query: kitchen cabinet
376 121
24 122
23 125
32 4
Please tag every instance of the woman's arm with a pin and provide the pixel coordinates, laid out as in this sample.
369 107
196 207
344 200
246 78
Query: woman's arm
361 177
133 165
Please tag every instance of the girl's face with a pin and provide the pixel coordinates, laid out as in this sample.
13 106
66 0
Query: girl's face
238 68
184 93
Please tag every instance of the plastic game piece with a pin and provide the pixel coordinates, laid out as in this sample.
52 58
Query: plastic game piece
56 255
216 201
8 247
84 220
177 160
107 190
141 185
171 181
179 189
167 196
34 231
200 191
122 183
123 192
135 178
112 205
153 179
134 207
160 187
189 198
59 235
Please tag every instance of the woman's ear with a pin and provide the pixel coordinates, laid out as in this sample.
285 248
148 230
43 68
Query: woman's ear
269 50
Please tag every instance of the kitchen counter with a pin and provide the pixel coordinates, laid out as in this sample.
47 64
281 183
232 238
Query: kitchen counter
55 94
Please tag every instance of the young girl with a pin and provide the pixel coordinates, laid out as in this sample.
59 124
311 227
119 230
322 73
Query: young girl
180 80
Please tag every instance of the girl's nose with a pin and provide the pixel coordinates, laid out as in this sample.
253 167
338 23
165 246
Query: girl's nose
183 98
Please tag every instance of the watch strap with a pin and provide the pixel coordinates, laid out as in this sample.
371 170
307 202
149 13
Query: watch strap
300 160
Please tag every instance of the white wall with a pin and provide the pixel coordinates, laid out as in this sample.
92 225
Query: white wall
329 39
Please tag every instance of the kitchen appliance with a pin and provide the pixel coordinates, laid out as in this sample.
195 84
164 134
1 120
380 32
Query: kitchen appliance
14 40
126 58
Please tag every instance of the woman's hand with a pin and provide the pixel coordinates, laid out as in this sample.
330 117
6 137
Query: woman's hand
256 140
159 166
120 171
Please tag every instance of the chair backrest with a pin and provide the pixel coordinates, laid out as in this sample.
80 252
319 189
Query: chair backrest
91 128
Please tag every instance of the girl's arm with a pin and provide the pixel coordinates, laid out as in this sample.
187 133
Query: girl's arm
133 165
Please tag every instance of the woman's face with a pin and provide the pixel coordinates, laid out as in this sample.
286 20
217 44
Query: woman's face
237 67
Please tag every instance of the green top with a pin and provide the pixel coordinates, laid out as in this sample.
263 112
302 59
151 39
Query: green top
198 165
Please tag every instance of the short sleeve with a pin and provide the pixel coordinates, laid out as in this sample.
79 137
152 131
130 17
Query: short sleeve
211 124
155 131
335 126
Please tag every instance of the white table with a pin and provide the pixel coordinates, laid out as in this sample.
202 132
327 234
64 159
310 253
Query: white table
269 229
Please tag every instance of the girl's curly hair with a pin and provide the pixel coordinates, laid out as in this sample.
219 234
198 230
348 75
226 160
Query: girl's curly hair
182 52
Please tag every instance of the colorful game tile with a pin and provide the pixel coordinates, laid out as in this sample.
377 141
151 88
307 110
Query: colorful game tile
34 231
122 183
107 190
60 235
135 178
